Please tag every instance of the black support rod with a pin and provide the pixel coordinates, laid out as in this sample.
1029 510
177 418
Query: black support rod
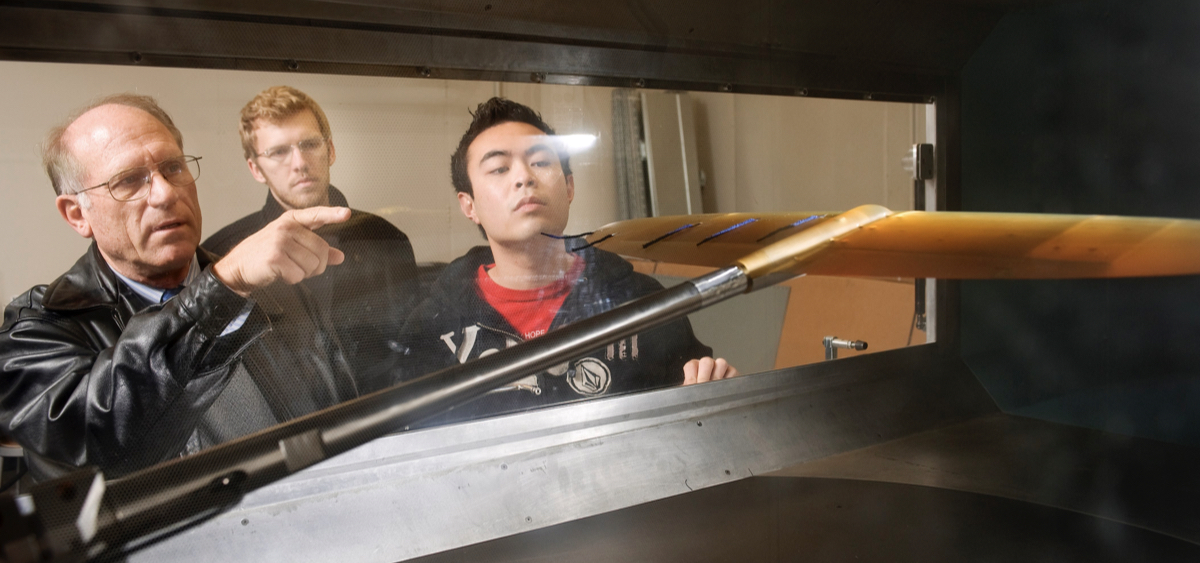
143 506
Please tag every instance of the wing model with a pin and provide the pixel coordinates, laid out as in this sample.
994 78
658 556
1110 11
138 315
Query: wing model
873 241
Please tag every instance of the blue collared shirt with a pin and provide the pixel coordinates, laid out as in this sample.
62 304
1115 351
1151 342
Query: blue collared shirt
154 295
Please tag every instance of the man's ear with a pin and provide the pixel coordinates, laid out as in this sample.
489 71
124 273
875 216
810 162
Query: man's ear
466 204
68 206
332 151
570 188
254 171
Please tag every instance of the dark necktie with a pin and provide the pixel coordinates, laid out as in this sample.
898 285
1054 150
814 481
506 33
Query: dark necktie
168 294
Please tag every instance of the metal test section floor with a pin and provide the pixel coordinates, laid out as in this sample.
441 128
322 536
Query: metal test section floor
994 488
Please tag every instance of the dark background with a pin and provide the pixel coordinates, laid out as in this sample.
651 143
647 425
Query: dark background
1092 108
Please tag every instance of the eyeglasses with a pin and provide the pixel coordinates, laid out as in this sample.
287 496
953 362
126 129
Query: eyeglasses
282 153
135 183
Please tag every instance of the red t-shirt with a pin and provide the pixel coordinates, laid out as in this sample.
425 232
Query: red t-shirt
530 311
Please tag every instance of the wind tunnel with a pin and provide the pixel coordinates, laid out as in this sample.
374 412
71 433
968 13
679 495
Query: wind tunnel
1000 419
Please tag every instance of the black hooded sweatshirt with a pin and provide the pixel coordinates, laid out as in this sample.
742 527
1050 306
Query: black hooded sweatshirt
455 324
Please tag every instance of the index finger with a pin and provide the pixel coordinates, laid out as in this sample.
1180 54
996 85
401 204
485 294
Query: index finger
317 217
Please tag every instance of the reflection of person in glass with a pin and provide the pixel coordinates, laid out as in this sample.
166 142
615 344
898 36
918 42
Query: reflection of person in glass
514 180
131 357
289 147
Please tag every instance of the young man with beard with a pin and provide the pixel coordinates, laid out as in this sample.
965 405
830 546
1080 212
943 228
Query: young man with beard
288 146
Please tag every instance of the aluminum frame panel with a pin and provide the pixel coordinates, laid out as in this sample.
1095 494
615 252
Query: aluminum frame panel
423 492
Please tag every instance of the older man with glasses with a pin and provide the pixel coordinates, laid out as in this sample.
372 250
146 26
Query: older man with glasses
132 356
288 146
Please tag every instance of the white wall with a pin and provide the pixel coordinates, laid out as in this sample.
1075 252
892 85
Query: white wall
394 139
765 153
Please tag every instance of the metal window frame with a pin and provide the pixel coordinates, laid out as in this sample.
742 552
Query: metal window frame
446 48
851 403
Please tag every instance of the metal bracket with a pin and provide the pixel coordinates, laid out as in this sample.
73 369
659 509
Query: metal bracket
832 343
920 161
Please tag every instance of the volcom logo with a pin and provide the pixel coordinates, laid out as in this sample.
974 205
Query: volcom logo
586 376
591 377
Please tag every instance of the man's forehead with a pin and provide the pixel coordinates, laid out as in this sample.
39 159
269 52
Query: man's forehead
108 127
107 122
302 117
508 138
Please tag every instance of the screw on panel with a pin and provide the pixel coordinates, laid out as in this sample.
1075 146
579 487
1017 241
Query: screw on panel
425 72
640 82
293 64
537 77
868 96
932 99
726 87
245 521
802 92
135 56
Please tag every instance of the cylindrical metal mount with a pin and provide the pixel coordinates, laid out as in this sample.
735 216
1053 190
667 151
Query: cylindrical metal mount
832 343
721 285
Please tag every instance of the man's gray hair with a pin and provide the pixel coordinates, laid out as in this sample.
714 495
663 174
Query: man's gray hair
65 171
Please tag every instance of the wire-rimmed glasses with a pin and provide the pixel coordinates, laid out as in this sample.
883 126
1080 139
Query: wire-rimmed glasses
282 153
135 183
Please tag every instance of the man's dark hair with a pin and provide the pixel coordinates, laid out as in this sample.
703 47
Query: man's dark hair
496 111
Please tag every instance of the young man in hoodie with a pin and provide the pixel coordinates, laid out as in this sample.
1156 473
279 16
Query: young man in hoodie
514 181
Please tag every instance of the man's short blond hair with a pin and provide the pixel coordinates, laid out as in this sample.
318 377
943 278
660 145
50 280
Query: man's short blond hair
274 105
64 169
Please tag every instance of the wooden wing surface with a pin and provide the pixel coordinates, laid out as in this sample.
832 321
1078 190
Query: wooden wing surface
874 241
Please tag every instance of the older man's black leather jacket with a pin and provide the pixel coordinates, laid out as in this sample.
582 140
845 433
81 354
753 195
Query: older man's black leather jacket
92 374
